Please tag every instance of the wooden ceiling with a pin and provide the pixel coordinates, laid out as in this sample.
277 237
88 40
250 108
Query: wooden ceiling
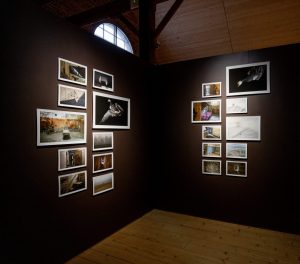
199 28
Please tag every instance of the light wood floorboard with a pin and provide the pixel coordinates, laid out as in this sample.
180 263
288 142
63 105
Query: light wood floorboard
161 237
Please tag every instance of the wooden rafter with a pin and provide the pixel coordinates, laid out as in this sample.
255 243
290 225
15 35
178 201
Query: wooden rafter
129 25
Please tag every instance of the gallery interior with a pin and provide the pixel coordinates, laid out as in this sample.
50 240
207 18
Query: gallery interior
166 163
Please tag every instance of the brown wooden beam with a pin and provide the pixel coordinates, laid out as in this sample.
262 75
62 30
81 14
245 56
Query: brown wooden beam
129 25
167 17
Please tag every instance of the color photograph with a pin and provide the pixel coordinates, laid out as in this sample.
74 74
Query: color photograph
103 183
236 105
236 150
236 168
103 80
71 97
212 150
60 127
212 89
211 167
206 111
103 162
71 158
72 183
103 141
212 132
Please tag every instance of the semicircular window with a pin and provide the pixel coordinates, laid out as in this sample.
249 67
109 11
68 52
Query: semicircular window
114 35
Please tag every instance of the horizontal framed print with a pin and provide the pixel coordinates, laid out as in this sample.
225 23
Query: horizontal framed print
71 158
103 80
103 162
60 127
69 96
110 111
211 167
212 132
243 128
206 111
236 168
236 105
212 89
212 150
103 141
252 78
236 150
103 183
73 72
72 183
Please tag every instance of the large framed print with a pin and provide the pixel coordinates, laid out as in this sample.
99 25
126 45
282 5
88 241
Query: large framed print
103 183
71 158
110 111
211 150
236 168
103 162
103 141
69 96
236 105
72 183
212 132
236 150
252 78
213 167
206 111
103 80
60 127
73 72
243 128
212 89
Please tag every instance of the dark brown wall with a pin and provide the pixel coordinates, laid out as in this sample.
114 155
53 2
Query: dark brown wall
267 197
36 225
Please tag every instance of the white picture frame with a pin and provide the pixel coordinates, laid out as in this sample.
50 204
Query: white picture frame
103 80
211 150
212 89
237 105
73 97
103 162
206 111
103 183
211 132
236 150
103 141
212 167
71 158
72 183
236 168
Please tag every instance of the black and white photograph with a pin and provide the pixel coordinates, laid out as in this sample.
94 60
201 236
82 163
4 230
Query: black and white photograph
103 80
211 150
206 111
103 183
252 78
103 141
73 72
72 183
211 167
60 127
73 97
103 162
110 112
212 132
236 168
236 105
71 158
236 150
212 89
243 128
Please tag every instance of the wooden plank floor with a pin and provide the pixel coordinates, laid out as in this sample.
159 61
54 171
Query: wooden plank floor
161 237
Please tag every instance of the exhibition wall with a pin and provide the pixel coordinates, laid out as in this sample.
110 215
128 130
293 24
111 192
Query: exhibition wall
37 225
266 197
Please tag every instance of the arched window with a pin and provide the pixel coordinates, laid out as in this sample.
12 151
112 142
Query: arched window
114 35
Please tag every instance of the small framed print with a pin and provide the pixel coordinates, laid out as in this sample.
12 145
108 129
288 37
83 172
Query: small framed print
69 96
211 167
103 162
212 132
212 89
103 183
252 78
103 80
103 141
71 158
211 150
72 183
73 72
206 111
236 150
236 168
236 105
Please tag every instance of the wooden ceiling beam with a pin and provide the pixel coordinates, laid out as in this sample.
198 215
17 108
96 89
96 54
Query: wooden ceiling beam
129 25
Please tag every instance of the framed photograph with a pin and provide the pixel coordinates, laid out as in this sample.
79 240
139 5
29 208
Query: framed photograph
110 111
243 128
236 105
236 150
253 78
211 167
73 72
206 111
212 132
212 89
103 183
103 141
103 162
236 168
71 97
60 127
72 183
71 158
103 80
211 150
